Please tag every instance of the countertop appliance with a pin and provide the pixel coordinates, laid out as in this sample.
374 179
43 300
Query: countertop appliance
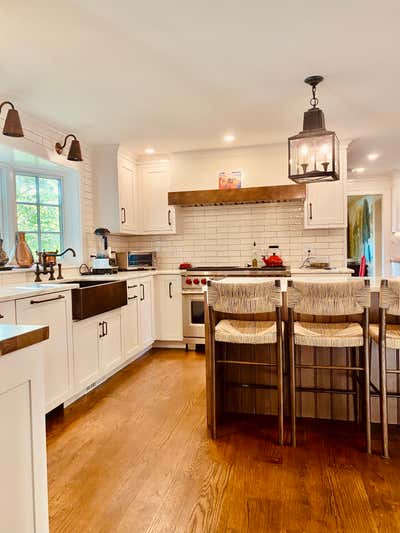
273 260
101 263
137 260
193 281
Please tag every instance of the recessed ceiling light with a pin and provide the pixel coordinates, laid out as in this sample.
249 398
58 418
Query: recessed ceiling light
149 150
373 156
358 170
228 138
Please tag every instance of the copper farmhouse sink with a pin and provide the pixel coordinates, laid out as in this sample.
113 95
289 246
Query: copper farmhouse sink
96 297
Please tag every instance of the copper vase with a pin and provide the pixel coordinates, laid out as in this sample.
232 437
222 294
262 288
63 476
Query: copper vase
23 254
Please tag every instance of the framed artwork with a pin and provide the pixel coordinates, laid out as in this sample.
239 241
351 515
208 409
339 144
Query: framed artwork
230 180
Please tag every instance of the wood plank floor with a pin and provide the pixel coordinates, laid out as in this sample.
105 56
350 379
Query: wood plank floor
134 456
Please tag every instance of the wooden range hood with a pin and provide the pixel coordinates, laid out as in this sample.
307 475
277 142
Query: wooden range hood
247 195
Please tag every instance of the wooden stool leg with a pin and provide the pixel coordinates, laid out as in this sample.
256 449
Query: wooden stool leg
292 377
383 383
279 362
367 383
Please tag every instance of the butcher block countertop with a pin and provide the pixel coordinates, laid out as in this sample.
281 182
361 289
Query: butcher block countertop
13 338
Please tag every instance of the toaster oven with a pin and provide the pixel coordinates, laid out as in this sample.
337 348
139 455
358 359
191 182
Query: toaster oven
140 260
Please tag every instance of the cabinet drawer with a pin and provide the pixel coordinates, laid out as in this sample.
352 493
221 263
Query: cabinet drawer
7 312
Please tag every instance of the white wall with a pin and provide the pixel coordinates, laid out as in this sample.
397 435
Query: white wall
261 165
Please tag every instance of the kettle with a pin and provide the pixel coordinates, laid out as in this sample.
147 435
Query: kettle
273 260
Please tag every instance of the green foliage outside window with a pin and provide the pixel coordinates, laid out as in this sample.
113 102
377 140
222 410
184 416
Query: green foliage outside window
39 211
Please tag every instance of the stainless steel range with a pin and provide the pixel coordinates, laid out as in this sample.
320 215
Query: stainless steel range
194 281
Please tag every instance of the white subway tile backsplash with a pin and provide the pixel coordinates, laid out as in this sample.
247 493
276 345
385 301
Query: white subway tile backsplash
224 236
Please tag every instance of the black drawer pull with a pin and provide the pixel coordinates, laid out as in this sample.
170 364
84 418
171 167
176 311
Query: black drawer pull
132 297
170 289
1 316
59 297
132 286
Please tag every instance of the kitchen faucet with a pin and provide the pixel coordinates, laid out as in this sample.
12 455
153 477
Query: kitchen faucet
43 260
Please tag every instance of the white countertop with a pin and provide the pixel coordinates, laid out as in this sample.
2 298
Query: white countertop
326 271
27 290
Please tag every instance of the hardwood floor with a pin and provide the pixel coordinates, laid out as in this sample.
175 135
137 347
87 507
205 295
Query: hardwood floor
134 456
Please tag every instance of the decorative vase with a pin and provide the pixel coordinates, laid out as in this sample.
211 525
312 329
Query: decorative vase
3 255
23 254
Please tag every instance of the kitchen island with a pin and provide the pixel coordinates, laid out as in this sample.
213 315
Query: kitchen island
23 485
263 400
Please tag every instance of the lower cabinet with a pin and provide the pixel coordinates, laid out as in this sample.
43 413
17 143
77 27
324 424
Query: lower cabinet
7 312
130 322
97 347
53 310
168 298
146 311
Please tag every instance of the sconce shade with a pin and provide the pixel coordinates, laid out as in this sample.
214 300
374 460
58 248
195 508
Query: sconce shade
12 124
75 153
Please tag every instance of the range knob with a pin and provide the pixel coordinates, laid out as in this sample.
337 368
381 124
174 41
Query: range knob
188 281
196 281
203 281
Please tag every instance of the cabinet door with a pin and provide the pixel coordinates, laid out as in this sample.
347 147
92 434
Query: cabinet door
86 352
157 215
7 312
169 308
130 322
53 310
325 205
146 311
127 197
110 340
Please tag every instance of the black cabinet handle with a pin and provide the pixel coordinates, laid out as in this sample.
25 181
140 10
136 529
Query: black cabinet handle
310 216
105 328
101 324
170 289
1 316
132 286
123 213
142 291
59 297
169 217
132 297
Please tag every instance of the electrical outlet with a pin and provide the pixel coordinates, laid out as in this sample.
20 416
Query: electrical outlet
308 249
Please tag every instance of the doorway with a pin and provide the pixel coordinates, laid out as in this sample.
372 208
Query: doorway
364 231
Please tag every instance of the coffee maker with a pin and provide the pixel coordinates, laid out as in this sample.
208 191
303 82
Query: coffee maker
101 262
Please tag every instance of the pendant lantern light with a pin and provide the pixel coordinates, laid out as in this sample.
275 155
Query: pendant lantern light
314 152
12 124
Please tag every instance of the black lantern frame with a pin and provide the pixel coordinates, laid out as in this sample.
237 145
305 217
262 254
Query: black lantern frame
314 153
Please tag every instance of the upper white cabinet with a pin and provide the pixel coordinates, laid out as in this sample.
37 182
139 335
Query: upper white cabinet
115 190
169 308
156 216
326 203
53 310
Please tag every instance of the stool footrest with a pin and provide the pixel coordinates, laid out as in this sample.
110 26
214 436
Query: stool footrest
326 391
248 363
328 367
251 385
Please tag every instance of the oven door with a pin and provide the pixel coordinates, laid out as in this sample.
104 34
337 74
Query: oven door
193 315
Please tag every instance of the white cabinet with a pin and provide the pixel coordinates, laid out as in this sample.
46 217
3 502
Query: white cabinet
157 217
53 310
97 347
130 322
325 205
146 311
7 312
86 352
115 190
110 345
23 487
168 308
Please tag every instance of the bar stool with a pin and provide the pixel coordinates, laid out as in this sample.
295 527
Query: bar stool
330 301
386 336
240 313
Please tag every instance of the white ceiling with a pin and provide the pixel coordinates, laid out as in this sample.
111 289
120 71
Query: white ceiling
179 74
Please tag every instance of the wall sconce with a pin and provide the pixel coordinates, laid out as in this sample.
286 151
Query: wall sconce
12 124
74 153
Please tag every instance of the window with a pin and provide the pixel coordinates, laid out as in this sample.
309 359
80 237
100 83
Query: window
39 211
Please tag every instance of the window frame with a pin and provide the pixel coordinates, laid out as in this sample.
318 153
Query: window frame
38 204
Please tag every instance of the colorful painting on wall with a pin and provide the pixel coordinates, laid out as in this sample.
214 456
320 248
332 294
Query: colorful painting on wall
230 180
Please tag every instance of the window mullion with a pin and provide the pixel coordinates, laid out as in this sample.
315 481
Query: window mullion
38 214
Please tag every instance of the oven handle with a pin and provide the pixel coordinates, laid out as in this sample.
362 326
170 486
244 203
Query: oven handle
191 293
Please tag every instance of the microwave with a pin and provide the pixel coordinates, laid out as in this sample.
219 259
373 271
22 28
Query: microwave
140 260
